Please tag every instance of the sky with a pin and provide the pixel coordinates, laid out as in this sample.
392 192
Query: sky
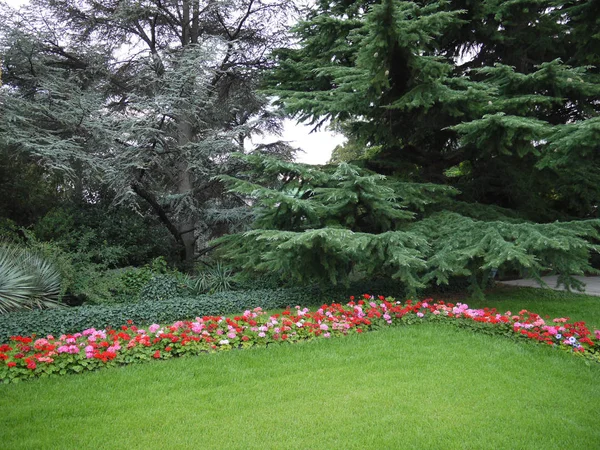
316 147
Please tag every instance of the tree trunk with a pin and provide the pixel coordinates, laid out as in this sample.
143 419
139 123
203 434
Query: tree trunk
187 224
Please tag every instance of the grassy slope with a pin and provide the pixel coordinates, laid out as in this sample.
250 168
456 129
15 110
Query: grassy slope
428 386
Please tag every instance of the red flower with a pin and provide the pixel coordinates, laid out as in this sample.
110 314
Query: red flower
11 364
156 354
168 349
245 338
31 365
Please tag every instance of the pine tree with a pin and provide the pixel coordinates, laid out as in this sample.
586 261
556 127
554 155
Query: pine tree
334 223
491 97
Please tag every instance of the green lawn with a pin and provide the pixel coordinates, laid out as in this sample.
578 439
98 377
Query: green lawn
426 386
543 301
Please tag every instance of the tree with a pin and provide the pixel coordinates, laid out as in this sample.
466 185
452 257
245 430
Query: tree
149 97
495 99
470 94
333 223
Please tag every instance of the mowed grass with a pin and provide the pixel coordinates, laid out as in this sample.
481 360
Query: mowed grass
544 302
423 386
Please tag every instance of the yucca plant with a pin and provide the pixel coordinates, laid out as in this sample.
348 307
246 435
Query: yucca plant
214 279
27 280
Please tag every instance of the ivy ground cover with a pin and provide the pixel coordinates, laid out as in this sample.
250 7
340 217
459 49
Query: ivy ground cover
27 357
428 386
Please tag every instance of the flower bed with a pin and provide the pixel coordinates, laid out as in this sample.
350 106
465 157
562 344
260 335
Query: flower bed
26 357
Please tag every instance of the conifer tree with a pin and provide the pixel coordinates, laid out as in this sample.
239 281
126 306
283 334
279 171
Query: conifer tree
337 222
149 97
498 99
495 99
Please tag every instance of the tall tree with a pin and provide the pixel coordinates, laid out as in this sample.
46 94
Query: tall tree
494 98
151 97
470 94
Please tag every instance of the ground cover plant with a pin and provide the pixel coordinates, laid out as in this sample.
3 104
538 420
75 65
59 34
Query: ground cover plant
431 386
26 357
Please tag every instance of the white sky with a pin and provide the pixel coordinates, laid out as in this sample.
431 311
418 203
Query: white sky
317 146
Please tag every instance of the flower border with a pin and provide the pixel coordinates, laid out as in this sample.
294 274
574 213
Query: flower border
26 357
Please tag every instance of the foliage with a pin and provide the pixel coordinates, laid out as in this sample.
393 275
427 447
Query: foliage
160 287
27 191
154 121
24 358
497 98
217 278
110 236
333 224
27 280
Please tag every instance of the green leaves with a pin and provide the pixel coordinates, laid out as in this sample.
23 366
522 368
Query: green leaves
354 223
27 280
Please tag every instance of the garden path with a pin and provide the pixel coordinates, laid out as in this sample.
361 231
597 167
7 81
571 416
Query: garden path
592 284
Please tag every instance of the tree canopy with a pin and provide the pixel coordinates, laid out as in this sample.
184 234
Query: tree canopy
151 98
499 99
473 131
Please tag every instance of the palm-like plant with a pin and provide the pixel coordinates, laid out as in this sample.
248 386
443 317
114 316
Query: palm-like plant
214 279
27 280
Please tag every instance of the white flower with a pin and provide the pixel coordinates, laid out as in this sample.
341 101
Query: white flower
224 342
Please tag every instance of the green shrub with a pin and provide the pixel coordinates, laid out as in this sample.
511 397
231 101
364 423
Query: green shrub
145 312
217 278
161 287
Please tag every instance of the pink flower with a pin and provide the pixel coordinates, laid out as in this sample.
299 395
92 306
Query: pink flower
89 349
597 332
197 327
154 328
231 335
324 327
326 335
420 314
40 343
261 334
